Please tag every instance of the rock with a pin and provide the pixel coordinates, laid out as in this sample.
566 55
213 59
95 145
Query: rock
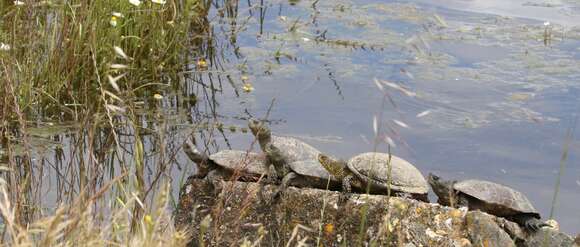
484 231
547 237
523 238
235 213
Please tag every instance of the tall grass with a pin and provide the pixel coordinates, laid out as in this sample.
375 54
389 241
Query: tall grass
93 64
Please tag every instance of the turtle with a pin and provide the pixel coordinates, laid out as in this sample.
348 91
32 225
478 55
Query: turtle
378 173
247 166
302 173
294 161
489 197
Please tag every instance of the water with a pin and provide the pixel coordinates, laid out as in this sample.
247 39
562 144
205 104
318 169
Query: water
500 95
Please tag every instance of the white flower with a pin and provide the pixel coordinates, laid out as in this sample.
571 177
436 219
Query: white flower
118 14
135 2
159 1
18 3
113 21
546 23
4 47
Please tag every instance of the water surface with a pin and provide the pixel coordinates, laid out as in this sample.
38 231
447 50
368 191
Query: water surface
500 86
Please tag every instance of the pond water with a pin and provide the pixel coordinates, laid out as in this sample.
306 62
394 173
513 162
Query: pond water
497 86
468 89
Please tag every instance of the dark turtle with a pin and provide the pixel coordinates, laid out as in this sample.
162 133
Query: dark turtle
488 197
294 160
302 173
378 173
246 166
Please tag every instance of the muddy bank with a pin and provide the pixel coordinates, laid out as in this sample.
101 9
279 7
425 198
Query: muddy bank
231 213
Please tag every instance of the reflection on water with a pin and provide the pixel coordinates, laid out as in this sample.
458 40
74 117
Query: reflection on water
499 101
556 11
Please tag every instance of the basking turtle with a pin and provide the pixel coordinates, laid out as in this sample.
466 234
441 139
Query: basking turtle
294 160
292 148
488 197
247 166
378 173
302 173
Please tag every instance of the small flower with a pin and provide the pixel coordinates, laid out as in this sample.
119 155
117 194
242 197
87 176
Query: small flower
247 87
158 96
135 2
149 223
546 23
18 3
329 228
113 21
202 64
148 219
159 1
245 78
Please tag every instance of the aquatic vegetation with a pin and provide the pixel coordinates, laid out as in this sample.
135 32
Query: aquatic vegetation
89 64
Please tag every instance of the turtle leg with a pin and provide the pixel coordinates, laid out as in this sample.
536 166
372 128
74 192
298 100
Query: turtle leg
529 222
214 177
346 189
272 176
285 181
419 197
461 201
403 195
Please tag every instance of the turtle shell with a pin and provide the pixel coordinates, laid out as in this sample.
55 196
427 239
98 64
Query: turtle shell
497 197
310 168
301 157
294 149
373 168
312 174
246 162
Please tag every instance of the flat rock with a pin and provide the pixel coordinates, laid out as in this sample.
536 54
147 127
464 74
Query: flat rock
234 213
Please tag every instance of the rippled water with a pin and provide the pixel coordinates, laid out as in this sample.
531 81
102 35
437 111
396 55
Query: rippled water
500 96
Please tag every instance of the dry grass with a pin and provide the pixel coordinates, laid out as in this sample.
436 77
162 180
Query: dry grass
90 64
85 224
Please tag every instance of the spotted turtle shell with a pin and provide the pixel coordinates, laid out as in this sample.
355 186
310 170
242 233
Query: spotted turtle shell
373 167
246 162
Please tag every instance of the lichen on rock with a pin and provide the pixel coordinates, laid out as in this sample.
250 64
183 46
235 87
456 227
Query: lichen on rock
235 213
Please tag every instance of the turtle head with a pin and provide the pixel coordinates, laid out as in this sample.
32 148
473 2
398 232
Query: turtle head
442 188
333 166
200 159
260 131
